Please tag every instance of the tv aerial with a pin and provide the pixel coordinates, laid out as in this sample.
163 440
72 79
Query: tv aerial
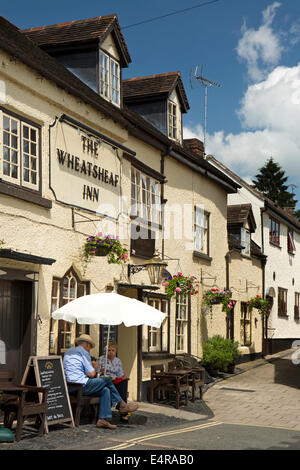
197 78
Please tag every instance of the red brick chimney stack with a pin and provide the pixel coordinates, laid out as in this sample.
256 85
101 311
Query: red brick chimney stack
195 145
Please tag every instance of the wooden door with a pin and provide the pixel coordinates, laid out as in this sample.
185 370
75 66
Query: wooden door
15 324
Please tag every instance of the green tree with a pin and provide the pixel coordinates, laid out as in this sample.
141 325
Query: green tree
271 181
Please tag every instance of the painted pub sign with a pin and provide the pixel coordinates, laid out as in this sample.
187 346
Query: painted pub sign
85 171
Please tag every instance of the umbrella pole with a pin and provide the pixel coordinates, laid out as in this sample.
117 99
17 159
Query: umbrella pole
106 352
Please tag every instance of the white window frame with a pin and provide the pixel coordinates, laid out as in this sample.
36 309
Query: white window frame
291 241
172 120
245 241
145 197
19 150
109 78
201 230
158 337
181 324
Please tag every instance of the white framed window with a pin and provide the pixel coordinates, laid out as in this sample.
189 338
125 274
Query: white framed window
245 241
291 242
145 197
158 337
201 232
109 78
172 120
20 151
181 327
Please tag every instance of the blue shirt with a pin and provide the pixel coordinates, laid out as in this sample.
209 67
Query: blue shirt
77 363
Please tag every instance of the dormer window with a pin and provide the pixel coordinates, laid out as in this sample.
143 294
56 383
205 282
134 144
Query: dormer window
172 119
109 78
245 241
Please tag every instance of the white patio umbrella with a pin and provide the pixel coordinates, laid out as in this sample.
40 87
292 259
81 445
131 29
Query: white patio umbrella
109 309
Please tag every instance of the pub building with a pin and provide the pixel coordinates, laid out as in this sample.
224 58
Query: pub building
84 151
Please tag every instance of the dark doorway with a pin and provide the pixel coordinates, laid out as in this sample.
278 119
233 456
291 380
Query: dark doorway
15 324
230 324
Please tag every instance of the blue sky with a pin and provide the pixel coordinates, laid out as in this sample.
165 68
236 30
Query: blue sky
250 47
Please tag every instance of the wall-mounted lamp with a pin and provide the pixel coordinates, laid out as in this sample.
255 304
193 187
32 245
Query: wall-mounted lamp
155 268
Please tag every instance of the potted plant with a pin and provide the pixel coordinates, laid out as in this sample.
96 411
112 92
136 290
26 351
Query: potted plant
180 284
216 296
105 245
262 305
219 354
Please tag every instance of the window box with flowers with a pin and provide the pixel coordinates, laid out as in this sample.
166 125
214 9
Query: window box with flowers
105 245
180 284
262 305
216 296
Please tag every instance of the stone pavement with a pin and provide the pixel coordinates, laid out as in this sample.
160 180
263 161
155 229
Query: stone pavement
264 392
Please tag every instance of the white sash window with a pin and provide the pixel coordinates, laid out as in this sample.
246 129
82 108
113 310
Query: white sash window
19 151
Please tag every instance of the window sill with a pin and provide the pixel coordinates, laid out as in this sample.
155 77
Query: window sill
198 254
146 222
156 355
291 253
25 194
246 256
283 315
275 245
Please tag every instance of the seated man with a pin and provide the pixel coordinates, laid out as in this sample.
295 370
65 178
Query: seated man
78 368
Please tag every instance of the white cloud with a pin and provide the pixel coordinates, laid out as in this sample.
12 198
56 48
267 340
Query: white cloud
261 48
270 113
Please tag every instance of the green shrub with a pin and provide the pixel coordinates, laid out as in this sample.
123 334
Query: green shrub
219 352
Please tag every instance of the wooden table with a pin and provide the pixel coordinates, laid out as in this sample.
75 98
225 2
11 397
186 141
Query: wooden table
176 380
11 390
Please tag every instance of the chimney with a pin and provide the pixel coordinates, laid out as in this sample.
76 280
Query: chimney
289 210
194 145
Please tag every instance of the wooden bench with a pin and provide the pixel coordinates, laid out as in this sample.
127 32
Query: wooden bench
21 402
79 401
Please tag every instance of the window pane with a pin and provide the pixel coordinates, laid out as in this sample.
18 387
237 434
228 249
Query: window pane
6 153
26 132
6 168
5 123
26 175
14 156
5 138
14 171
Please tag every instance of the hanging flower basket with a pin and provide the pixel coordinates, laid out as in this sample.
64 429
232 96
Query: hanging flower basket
216 296
180 284
262 305
106 245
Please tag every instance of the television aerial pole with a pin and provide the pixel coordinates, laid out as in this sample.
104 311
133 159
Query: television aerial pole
205 82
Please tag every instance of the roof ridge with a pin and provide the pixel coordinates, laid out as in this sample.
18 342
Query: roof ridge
157 75
84 20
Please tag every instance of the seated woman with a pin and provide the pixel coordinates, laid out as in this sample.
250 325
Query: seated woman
114 369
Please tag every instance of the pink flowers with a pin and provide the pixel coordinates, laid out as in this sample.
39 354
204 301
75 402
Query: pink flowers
133 252
165 284
177 290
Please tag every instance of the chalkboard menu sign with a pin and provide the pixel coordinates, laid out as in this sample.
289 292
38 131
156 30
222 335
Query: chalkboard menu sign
48 372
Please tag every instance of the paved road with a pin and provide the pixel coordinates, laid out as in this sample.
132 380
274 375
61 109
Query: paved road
268 395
